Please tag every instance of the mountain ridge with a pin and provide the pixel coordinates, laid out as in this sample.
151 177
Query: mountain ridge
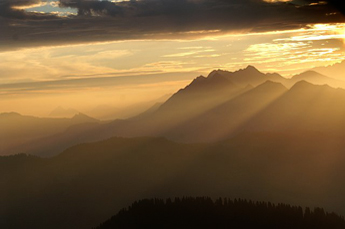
223 109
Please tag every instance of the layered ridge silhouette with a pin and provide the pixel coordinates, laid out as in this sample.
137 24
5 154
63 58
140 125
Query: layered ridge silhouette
221 106
88 183
19 130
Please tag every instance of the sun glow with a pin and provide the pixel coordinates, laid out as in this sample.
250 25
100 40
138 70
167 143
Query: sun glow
323 32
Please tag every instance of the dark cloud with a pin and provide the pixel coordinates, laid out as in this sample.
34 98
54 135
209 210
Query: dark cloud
8 10
338 4
93 8
106 21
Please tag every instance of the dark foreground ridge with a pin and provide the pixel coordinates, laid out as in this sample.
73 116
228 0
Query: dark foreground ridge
203 212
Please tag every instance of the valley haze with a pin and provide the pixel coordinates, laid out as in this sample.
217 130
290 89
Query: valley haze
172 114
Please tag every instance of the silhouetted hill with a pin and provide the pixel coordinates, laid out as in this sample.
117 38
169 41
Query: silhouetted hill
82 118
336 71
87 183
310 75
18 129
10 115
317 78
203 212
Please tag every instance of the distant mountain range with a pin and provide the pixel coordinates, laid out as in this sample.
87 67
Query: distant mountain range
218 107
17 130
242 134
252 76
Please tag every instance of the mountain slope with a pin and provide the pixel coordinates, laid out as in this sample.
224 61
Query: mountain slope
226 119
305 107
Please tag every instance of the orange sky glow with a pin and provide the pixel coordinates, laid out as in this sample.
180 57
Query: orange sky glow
287 52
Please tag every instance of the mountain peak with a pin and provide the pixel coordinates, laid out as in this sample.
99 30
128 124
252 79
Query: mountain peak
218 72
80 117
270 85
214 79
304 85
215 75
250 68
199 78
270 82
309 74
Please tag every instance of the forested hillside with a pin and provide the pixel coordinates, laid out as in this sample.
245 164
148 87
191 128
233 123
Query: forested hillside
203 212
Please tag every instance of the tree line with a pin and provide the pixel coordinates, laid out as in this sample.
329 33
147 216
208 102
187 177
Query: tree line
204 212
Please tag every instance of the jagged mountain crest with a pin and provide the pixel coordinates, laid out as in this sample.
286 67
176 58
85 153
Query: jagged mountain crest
214 79
244 71
221 78
249 75
250 69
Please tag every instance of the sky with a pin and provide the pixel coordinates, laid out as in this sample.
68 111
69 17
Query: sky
86 53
